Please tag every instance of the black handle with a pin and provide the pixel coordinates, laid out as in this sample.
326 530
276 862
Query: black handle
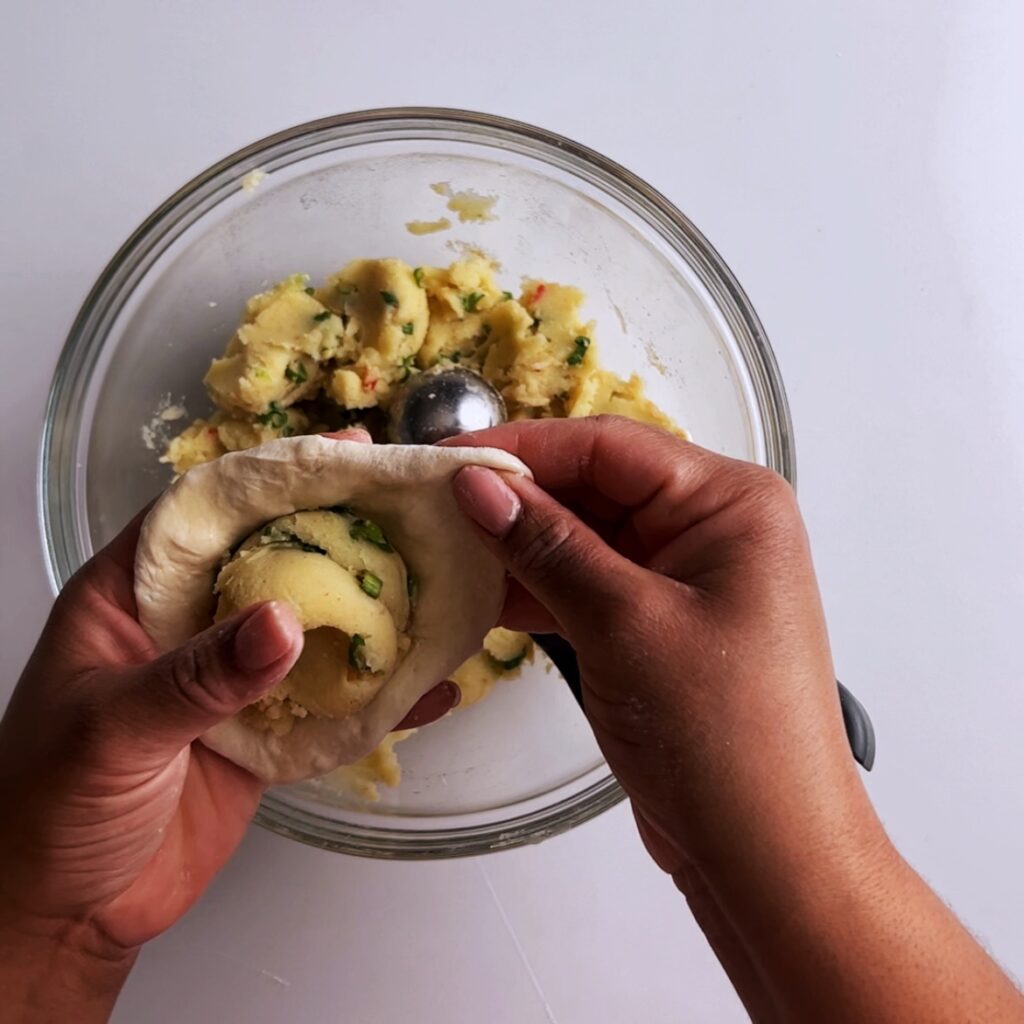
563 657
859 730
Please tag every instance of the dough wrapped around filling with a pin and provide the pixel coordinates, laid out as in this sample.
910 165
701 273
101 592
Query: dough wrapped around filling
330 527
350 591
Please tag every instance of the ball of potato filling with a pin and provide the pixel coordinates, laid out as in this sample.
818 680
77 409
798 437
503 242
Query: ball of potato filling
351 594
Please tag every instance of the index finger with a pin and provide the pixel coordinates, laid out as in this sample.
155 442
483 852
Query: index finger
121 550
111 571
357 434
626 461
663 485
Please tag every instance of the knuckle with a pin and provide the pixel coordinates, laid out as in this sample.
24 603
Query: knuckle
768 491
77 600
192 676
85 726
606 421
770 504
544 547
84 729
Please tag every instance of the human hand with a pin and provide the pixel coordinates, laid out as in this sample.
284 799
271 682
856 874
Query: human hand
115 820
684 581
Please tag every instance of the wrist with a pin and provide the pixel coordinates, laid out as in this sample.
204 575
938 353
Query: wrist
785 832
59 969
803 877
796 907
802 859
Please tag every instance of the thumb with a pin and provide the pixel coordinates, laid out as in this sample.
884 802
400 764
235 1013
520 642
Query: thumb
565 565
166 704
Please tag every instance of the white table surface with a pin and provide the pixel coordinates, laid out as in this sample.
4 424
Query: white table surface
858 165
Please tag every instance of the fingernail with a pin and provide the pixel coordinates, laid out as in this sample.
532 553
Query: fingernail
453 693
357 434
487 499
264 638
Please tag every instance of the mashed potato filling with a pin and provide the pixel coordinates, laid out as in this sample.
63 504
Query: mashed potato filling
504 653
307 359
351 593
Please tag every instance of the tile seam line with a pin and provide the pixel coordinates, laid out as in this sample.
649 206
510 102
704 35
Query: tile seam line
523 959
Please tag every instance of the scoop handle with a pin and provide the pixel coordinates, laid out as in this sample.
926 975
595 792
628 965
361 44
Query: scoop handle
859 730
563 657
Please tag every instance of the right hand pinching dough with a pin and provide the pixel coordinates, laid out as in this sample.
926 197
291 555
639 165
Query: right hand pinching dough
684 581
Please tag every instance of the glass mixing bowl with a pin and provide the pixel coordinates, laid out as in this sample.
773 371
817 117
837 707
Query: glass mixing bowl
521 765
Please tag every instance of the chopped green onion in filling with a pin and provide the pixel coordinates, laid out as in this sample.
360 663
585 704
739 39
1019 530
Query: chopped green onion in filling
370 583
274 417
582 344
356 653
509 664
366 529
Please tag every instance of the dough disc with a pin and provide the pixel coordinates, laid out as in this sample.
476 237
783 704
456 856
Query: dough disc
406 489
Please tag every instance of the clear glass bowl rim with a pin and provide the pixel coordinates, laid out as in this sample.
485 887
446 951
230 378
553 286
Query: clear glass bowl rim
56 500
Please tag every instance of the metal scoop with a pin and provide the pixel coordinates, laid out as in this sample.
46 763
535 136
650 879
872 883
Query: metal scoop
453 400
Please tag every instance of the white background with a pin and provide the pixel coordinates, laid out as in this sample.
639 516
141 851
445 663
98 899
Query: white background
858 165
